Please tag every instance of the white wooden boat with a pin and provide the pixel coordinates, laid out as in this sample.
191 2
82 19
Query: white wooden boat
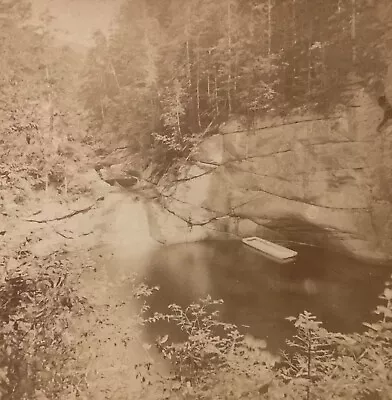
271 250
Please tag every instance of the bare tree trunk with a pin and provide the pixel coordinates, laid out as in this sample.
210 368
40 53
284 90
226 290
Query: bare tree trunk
151 74
178 104
102 109
114 74
235 78
46 182
188 56
51 126
216 94
294 5
178 123
198 83
269 26
310 43
47 75
324 66
101 99
188 63
229 51
150 52
353 30
51 119
309 85
294 21
208 79
51 116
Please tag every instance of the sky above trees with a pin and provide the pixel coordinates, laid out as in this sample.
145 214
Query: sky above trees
76 20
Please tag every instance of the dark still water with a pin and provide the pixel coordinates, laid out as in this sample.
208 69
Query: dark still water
259 293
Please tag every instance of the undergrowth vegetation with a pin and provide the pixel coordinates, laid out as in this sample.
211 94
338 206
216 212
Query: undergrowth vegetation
217 361
40 357
38 308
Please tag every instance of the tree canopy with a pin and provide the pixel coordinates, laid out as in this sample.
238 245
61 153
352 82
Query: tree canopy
171 71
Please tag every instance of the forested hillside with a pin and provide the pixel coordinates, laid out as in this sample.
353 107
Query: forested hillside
40 149
39 113
172 71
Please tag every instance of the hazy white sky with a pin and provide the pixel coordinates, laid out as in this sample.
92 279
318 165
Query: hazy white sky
76 20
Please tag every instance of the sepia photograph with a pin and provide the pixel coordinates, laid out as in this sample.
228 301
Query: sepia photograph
195 199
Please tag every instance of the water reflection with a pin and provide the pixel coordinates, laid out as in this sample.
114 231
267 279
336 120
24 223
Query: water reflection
260 293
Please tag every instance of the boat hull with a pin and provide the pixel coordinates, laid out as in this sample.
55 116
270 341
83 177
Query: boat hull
271 250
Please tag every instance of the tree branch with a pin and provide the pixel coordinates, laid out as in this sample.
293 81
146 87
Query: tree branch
69 215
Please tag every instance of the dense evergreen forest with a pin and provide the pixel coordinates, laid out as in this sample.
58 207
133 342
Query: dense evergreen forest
171 71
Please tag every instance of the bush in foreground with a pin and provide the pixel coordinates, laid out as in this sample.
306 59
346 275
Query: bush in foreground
38 306
216 361
38 359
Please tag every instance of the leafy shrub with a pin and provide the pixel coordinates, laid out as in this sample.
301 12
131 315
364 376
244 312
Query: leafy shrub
216 361
326 365
38 305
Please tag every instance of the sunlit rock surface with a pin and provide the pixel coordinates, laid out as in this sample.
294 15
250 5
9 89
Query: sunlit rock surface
310 178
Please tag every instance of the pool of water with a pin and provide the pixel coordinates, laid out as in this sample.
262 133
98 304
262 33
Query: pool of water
258 293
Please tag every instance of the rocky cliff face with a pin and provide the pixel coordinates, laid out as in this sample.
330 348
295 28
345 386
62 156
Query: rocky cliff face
303 179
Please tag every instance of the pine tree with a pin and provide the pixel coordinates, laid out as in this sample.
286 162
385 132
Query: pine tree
309 359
